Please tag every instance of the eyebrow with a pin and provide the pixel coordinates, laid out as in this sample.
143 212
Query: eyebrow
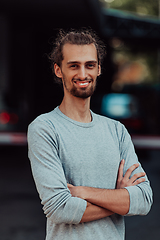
77 62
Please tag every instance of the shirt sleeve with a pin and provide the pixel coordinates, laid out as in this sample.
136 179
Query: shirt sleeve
141 194
58 204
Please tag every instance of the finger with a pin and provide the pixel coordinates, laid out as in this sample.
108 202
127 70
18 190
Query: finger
120 170
130 170
69 185
138 181
137 176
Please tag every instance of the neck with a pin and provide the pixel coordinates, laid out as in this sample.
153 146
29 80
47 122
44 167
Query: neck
77 109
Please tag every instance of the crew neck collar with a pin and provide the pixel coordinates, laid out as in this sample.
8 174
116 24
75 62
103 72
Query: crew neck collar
81 124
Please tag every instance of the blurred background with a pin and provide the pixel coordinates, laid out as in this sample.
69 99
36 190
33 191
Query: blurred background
129 91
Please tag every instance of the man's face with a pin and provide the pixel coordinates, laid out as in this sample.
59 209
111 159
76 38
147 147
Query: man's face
79 70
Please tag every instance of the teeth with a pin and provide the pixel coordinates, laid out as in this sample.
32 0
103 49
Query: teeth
82 84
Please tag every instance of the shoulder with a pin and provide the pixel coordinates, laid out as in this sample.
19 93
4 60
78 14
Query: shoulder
42 130
114 126
108 121
44 121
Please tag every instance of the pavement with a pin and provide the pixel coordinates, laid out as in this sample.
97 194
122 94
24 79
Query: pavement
21 215
21 212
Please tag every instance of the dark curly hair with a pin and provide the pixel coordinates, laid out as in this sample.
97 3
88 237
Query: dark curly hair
78 37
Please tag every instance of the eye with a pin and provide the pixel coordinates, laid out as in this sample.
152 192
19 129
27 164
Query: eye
90 65
74 66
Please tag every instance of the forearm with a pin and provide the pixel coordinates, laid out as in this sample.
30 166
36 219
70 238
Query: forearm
94 212
116 200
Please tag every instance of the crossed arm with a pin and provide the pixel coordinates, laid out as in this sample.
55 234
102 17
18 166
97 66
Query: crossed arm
105 202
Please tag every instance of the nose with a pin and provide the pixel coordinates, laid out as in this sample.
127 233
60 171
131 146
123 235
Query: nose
82 73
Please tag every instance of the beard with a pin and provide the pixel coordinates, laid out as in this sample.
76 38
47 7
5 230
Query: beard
81 92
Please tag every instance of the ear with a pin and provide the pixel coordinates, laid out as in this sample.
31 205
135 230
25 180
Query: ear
99 70
57 71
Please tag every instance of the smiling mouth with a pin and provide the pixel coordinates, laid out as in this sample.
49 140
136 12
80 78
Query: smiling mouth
82 84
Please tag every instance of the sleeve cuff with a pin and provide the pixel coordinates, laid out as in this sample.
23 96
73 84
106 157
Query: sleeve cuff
79 205
134 200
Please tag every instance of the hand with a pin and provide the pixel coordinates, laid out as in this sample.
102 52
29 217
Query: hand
126 180
76 191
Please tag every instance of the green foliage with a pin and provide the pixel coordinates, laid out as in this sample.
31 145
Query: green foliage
144 7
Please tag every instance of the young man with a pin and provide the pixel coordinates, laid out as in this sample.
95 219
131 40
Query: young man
84 165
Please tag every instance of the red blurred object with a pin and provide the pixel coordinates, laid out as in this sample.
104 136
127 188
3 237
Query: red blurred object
6 117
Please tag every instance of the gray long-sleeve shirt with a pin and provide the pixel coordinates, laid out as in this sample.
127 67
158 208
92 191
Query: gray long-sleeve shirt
63 151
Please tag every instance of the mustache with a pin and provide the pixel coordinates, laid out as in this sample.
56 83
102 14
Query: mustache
86 79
